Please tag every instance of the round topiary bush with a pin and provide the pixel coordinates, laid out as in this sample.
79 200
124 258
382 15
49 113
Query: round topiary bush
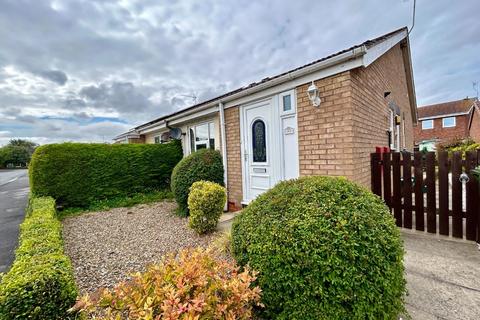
205 164
325 248
205 203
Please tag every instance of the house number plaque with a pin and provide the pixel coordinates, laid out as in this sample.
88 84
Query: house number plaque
289 130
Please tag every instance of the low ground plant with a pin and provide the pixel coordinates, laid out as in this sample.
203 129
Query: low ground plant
192 285
117 202
325 248
205 203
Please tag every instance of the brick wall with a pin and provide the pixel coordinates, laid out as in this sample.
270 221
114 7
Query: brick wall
325 134
443 134
475 127
371 114
232 131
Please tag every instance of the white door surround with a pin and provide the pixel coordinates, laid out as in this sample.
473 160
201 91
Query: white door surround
269 143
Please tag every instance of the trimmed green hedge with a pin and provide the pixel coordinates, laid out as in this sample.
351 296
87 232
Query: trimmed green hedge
205 164
40 283
325 248
76 174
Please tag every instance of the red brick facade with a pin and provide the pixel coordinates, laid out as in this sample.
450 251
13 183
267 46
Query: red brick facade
370 112
475 124
337 138
460 131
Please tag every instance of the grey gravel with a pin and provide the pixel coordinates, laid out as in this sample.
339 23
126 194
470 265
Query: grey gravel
107 247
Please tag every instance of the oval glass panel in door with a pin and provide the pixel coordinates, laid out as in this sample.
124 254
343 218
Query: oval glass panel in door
259 145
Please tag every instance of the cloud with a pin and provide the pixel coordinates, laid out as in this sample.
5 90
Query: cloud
56 76
64 63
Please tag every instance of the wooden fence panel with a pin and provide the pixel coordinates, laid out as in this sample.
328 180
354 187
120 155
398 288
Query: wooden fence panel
443 192
472 196
457 196
407 189
394 179
376 174
397 189
419 206
431 194
387 180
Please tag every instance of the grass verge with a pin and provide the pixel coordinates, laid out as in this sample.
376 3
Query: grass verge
127 201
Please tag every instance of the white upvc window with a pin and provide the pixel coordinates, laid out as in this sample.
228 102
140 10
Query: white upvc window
287 103
157 139
202 136
449 122
427 124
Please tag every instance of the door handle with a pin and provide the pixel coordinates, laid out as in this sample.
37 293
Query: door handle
245 156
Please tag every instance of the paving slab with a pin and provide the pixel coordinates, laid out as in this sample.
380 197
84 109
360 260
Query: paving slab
443 277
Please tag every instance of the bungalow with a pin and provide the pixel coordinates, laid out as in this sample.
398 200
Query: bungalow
446 121
323 118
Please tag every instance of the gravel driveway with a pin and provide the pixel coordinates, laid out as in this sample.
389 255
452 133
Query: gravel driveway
105 247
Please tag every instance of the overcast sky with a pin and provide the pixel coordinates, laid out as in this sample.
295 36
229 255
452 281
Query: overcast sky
89 70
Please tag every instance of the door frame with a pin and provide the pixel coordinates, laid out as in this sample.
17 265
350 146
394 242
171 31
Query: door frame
271 145
276 144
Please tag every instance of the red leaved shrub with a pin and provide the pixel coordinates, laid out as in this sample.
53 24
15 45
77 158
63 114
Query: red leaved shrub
192 285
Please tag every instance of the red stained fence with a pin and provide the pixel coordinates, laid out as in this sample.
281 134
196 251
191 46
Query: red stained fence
429 193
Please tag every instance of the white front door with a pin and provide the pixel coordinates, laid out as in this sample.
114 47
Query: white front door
258 146
269 144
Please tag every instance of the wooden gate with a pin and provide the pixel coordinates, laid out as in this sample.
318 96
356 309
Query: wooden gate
429 193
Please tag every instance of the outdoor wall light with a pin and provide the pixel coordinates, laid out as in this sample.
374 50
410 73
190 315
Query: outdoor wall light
314 95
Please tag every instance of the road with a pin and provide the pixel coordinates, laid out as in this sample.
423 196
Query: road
13 200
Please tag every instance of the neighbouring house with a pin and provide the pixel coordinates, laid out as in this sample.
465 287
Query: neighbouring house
323 118
447 121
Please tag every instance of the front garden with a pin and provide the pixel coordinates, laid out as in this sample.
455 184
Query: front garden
311 248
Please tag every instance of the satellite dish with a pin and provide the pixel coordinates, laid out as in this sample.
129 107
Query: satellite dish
175 133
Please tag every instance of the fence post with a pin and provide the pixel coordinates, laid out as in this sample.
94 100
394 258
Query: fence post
407 189
472 196
397 189
443 219
419 206
431 194
376 172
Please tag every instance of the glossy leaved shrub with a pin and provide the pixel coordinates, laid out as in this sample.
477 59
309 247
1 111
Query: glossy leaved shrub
325 248
205 203
78 174
193 285
205 164
40 283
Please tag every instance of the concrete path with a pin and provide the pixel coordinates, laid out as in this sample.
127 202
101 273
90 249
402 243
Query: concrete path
13 200
443 277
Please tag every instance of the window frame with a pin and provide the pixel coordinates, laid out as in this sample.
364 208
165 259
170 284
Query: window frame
210 132
159 141
292 110
428 120
454 122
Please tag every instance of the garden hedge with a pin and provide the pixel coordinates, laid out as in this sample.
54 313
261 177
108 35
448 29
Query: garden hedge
325 248
40 283
205 164
76 174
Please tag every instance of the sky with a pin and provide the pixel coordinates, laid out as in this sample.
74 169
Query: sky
90 70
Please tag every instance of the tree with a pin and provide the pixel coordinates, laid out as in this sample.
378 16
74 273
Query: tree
17 152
